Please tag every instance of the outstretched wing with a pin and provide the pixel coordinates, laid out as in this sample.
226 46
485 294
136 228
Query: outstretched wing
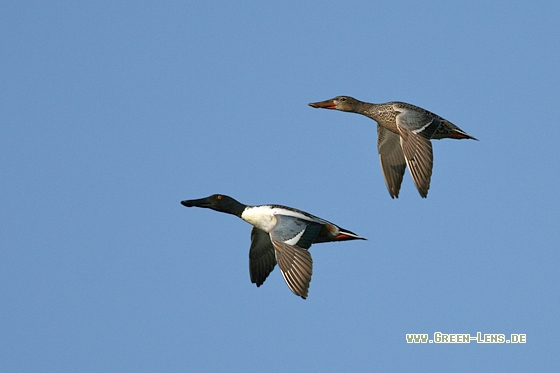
291 239
392 159
261 256
295 265
416 128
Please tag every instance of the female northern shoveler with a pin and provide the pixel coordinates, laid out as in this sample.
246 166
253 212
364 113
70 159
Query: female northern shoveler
404 134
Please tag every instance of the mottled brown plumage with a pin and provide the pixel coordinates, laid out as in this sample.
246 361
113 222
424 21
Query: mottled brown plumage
404 134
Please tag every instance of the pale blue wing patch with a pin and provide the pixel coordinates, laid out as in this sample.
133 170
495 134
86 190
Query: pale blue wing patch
418 122
295 231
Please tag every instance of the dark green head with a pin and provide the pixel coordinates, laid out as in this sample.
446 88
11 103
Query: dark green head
218 202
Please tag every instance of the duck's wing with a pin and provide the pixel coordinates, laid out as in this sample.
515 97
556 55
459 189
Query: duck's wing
261 256
417 120
392 159
291 238
416 128
296 266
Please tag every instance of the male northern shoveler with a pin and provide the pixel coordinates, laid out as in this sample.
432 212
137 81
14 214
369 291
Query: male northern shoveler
404 134
280 235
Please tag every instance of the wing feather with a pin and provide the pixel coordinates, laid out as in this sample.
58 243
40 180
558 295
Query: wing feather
262 258
419 159
295 265
392 159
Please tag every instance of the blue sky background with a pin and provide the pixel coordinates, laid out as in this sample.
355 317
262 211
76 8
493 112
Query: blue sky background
114 112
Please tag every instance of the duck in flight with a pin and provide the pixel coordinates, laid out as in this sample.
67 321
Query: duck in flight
280 235
404 134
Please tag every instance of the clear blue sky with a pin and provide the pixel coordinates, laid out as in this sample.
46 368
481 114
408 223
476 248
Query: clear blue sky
114 112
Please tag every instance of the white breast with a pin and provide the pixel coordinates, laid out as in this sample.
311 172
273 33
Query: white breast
261 217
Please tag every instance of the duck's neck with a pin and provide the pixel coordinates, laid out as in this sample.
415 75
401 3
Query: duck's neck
235 208
368 109
363 107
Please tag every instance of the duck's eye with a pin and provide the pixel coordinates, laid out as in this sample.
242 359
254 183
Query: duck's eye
219 197
343 99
